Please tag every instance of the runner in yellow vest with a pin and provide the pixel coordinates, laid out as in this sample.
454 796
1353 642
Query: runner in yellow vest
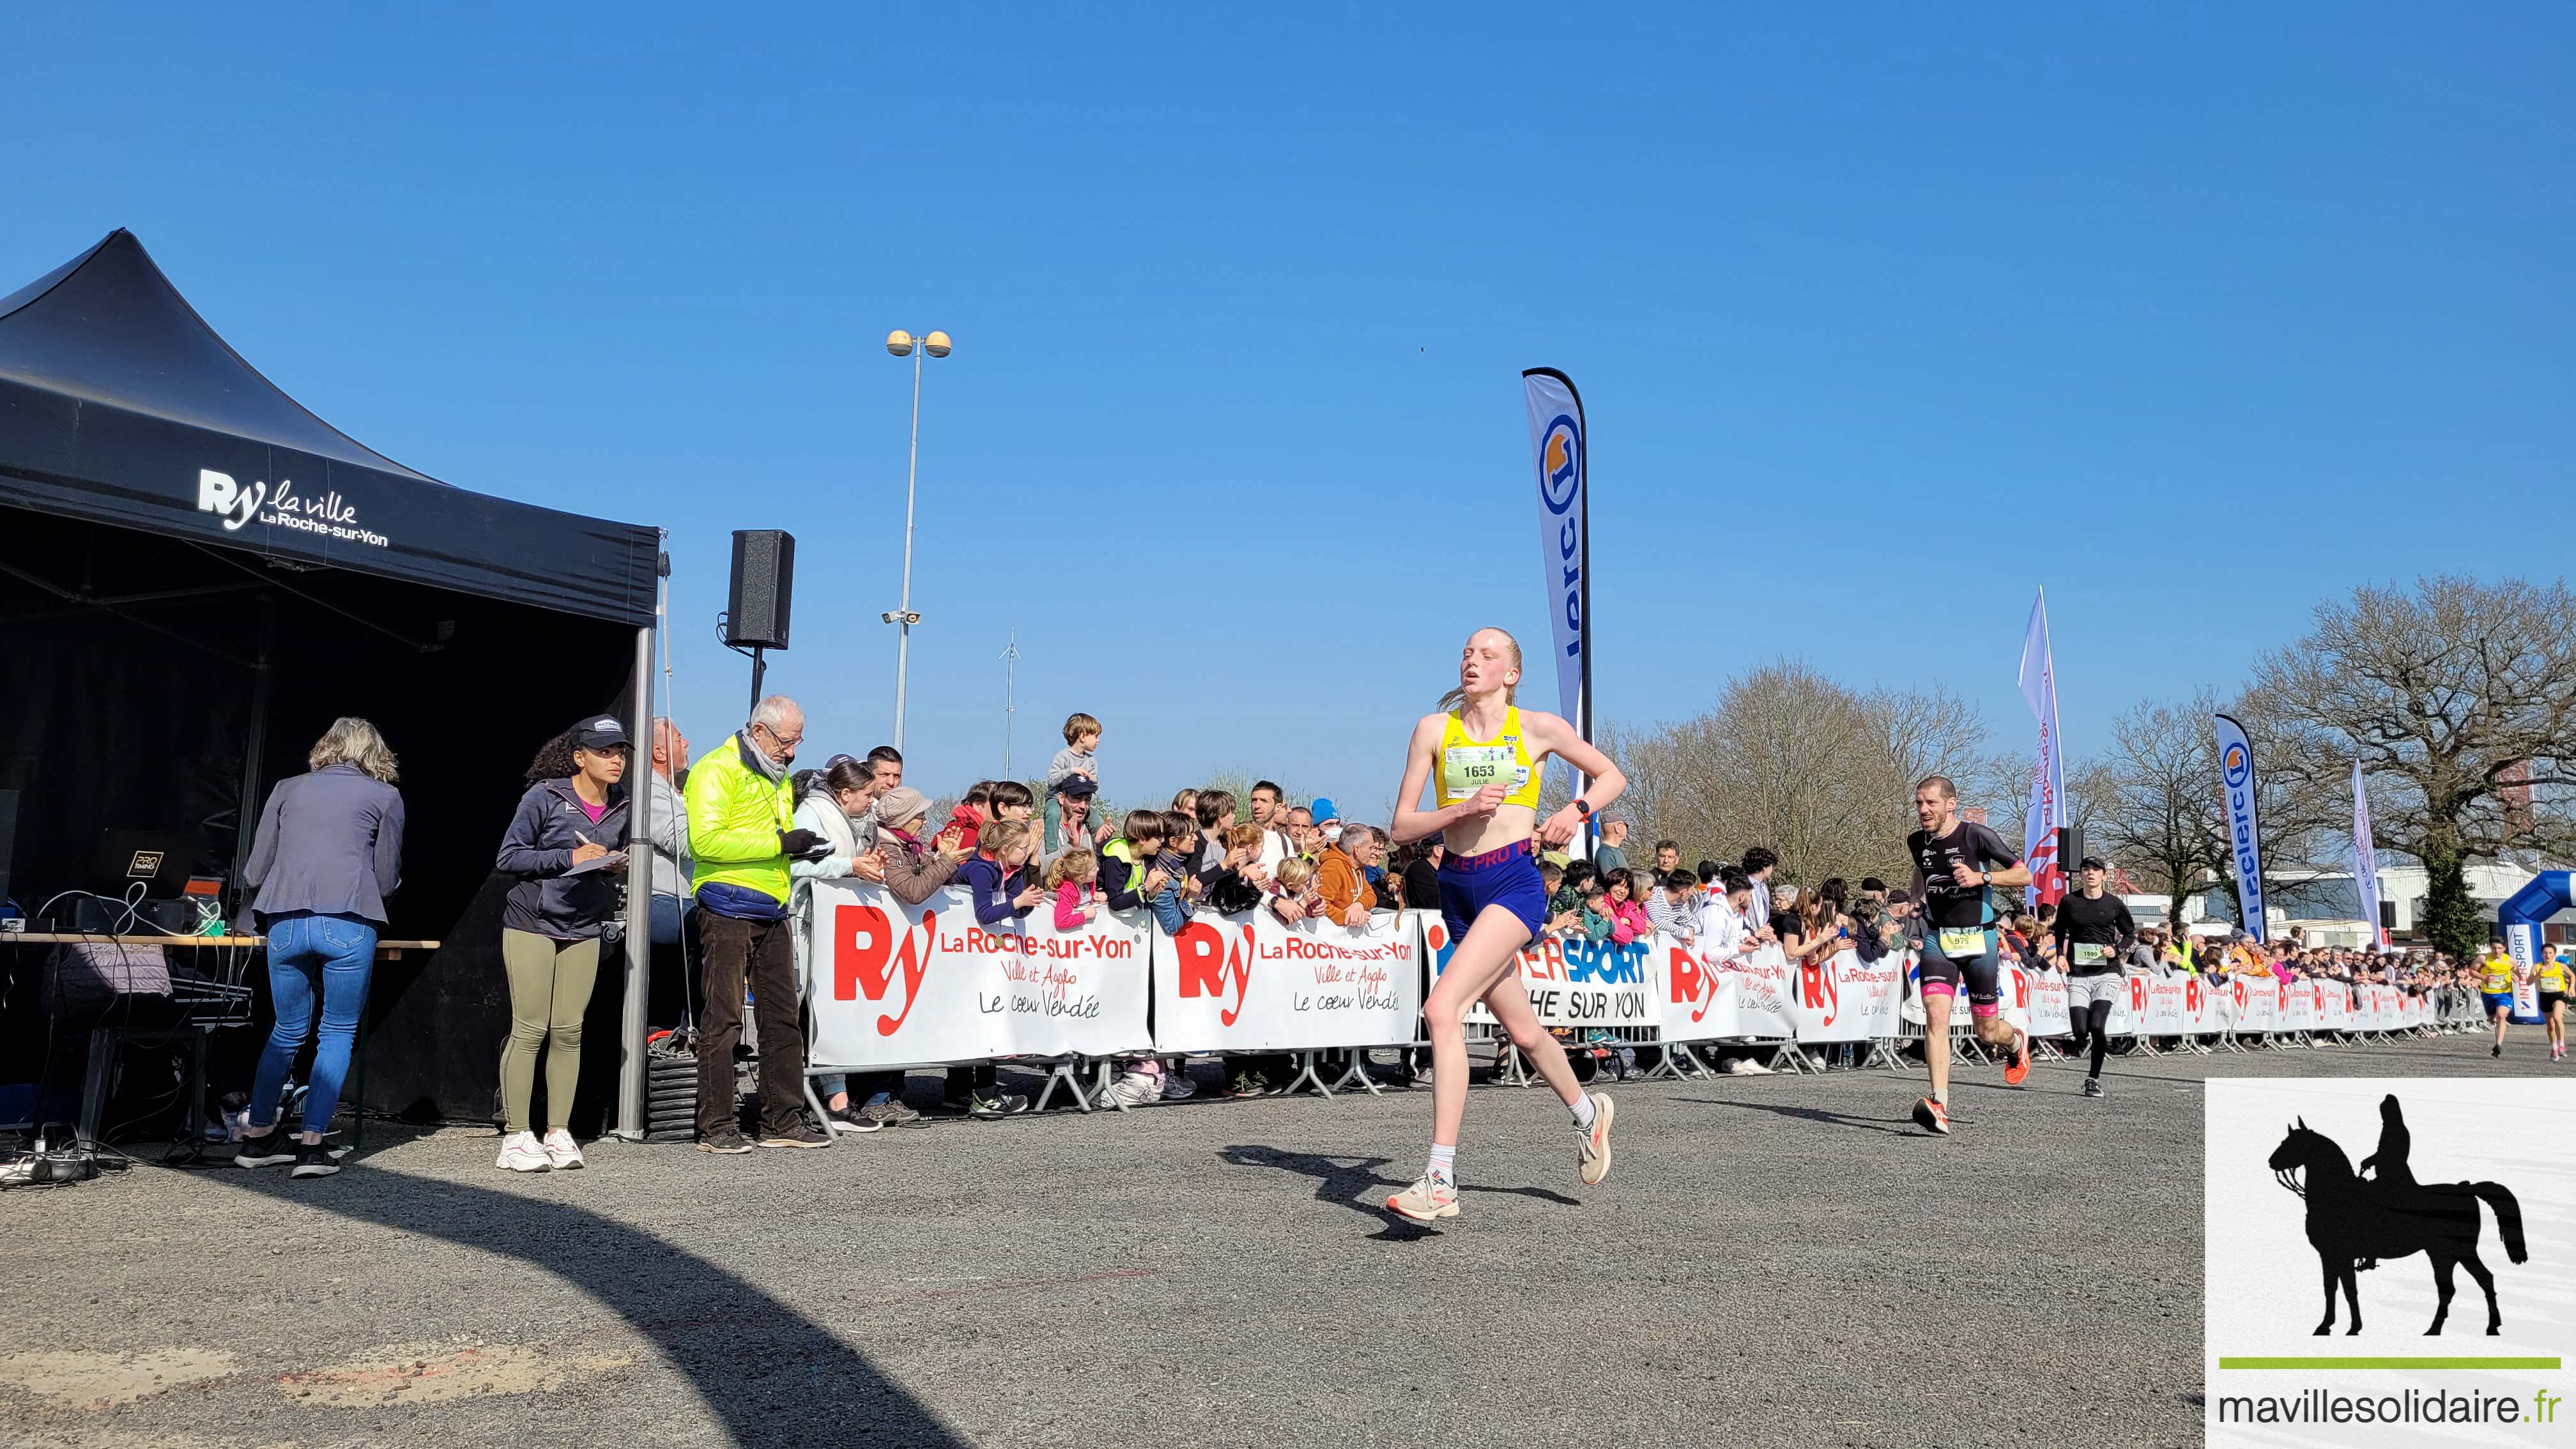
1482 758
2552 973
2495 983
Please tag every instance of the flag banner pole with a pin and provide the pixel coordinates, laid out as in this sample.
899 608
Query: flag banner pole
2244 835
2047 813
2365 859
1558 443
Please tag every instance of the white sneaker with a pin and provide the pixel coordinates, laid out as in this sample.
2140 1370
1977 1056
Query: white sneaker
1753 1068
1132 1089
561 1151
1594 1158
521 1152
1426 1201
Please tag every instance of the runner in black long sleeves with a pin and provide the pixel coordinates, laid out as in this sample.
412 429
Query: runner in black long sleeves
2093 933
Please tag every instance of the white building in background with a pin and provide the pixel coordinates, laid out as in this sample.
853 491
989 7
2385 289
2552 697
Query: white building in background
2322 903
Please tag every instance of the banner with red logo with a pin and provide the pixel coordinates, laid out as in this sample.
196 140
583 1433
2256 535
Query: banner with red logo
895 985
1842 998
2206 1009
2299 1006
2161 1010
1695 1001
2258 1003
1574 984
1250 983
2049 1013
2334 1005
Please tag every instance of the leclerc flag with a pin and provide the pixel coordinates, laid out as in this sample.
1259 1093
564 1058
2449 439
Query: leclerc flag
1557 438
2365 860
2244 840
2047 813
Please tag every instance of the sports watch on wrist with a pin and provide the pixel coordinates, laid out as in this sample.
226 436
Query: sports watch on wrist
1582 807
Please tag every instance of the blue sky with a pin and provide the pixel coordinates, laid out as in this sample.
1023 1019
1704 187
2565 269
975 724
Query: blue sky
1883 319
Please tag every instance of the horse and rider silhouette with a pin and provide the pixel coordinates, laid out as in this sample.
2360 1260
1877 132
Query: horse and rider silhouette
2354 1222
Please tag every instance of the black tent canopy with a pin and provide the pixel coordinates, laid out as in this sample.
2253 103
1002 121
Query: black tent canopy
197 575
119 405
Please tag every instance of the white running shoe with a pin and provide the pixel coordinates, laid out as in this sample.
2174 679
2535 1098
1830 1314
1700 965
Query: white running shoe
1426 1201
521 1152
1595 1156
1132 1089
562 1153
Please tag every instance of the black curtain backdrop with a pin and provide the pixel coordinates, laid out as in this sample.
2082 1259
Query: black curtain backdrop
136 714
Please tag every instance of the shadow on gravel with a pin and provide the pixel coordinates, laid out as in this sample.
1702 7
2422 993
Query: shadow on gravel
1809 1114
763 1367
1351 1182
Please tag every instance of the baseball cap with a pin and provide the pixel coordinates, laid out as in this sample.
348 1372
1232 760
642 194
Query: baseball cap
1082 786
2092 862
1323 810
599 733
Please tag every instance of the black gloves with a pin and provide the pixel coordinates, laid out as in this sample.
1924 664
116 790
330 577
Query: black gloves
803 845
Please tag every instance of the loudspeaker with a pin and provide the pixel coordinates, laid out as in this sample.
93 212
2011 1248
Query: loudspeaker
764 570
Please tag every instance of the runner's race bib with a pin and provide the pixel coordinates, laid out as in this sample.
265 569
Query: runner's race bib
2088 954
1477 766
1963 945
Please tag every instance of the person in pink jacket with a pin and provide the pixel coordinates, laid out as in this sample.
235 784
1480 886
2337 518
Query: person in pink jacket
1628 919
1071 878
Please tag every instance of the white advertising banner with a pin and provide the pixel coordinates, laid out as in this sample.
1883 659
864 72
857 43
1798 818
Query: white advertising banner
1575 984
1698 1002
2299 1006
1250 983
2162 1011
894 985
2049 1015
1844 999
2209 1010
2334 1005
2258 1003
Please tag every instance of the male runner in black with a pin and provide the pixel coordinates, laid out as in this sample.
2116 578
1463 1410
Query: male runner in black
2094 933
1954 877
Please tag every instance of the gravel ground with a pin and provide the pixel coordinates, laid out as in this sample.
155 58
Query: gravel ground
1211 1272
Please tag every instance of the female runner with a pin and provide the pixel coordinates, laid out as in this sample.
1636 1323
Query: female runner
1485 756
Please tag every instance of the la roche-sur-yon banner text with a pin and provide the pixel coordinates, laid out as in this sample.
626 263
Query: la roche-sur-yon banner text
896 985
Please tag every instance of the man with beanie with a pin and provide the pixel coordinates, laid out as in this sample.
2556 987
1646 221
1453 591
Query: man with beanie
742 833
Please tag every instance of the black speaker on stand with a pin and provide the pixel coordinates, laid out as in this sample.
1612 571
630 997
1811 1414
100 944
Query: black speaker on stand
756 602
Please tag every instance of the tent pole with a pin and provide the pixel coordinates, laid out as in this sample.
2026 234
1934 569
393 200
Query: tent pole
254 746
639 897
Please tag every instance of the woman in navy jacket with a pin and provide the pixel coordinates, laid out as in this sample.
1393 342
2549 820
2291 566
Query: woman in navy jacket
563 844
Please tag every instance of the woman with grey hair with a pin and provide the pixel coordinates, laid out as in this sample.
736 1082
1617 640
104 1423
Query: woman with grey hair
327 853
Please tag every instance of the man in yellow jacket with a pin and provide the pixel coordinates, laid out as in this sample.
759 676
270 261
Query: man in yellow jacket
742 832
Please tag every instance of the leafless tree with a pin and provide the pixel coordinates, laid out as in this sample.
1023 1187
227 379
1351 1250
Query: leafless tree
2459 700
2158 815
1791 759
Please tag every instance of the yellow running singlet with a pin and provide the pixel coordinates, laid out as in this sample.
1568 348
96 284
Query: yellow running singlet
1468 765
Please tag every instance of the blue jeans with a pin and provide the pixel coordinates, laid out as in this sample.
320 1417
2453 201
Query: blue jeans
666 920
329 957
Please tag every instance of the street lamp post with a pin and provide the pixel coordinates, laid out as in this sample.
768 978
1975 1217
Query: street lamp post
902 344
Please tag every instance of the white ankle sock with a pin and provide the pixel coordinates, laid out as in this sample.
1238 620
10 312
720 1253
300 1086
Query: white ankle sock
1444 1164
1583 1111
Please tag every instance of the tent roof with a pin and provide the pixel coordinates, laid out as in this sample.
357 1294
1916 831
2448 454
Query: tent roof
118 404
